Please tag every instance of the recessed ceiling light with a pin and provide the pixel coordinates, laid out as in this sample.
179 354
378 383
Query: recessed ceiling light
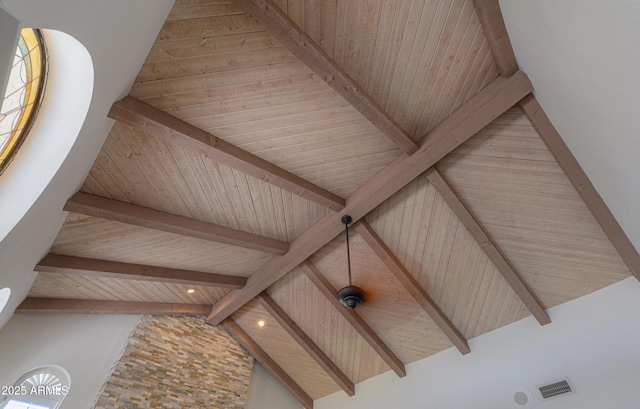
261 323
191 290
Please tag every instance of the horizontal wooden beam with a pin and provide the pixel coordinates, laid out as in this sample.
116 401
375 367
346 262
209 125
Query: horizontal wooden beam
486 244
281 27
582 184
57 263
411 285
72 306
495 31
160 124
293 329
108 209
465 122
267 362
356 321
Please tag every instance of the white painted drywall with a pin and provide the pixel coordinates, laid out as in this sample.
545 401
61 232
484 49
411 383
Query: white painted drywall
117 35
9 29
593 341
87 346
266 392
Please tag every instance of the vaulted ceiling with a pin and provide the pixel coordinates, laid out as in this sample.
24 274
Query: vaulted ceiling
253 126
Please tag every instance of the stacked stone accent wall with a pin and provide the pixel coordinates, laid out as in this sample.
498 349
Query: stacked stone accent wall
176 363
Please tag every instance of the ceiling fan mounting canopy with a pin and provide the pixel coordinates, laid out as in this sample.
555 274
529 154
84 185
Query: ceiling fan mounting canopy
351 296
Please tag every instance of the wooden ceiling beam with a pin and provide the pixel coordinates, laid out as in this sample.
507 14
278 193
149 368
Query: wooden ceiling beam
486 244
495 31
57 263
267 362
280 26
582 184
96 206
465 122
358 323
72 306
411 285
170 129
289 325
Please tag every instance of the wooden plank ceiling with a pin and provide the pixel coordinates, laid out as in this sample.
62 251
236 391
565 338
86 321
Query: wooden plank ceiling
254 126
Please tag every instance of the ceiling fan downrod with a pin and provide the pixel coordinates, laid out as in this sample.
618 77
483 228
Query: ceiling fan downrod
349 296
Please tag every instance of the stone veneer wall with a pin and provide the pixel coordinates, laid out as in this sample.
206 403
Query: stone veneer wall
178 362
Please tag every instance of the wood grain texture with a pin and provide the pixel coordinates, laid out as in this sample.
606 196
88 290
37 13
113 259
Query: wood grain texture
269 364
305 342
467 120
86 236
285 350
74 286
305 304
496 32
57 263
581 183
97 206
69 306
503 265
269 16
439 71
417 292
518 193
418 226
354 319
162 125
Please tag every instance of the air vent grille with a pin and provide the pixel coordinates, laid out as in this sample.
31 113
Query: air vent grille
561 387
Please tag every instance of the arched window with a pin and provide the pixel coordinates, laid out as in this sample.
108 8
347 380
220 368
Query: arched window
40 388
23 94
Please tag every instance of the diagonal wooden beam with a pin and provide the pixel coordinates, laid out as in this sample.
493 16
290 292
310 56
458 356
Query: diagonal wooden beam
489 248
306 343
57 263
269 364
465 122
96 206
358 323
72 306
281 27
160 124
581 183
411 285
497 37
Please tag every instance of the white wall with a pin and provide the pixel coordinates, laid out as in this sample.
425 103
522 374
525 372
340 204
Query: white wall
87 346
9 28
117 34
593 341
266 392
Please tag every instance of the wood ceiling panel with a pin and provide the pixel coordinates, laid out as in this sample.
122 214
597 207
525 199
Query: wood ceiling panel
302 301
428 239
287 353
389 309
519 194
291 118
137 168
185 9
214 67
420 60
90 237
61 285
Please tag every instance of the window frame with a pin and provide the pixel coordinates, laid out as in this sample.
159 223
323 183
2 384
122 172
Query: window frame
23 386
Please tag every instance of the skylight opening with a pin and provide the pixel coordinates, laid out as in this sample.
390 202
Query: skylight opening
23 94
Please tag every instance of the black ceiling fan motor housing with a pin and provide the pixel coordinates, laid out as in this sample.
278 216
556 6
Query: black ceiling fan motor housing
351 296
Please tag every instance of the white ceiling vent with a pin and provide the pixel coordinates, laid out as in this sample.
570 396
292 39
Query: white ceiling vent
556 389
